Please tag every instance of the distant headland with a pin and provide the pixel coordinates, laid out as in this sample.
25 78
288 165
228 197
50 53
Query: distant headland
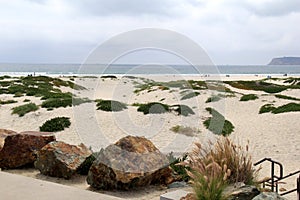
285 61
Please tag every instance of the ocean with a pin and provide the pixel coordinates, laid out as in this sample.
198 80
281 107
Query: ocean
119 69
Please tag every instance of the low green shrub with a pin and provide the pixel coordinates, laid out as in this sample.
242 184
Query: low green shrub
84 168
24 109
182 110
153 108
266 108
286 97
110 105
57 102
248 97
257 85
290 107
217 123
185 130
7 102
190 95
179 170
213 98
56 124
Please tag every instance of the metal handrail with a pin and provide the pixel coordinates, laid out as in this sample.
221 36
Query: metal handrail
273 176
280 177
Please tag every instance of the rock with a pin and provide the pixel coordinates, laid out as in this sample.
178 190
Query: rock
178 184
19 149
269 196
59 159
189 196
241 191
130 162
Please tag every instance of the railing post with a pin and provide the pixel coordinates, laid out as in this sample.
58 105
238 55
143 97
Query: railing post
298 187
272 176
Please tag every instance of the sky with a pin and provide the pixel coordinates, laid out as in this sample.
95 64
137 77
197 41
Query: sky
236 32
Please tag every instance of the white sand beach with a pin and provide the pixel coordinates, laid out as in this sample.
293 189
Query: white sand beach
270 135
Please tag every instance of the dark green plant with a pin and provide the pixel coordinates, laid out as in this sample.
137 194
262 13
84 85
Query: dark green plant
182 110
248 97
266 108
24 109
110 105
290 107
109 76
56 124
217 123
213 98
154 108
257 85
286 97
84 168
179 169
190 95
7 102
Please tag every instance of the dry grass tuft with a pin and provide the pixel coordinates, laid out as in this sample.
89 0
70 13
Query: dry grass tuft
213 168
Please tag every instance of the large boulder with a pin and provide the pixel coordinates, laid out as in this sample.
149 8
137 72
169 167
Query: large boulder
130 162
59 159
241 191
269 196
19 149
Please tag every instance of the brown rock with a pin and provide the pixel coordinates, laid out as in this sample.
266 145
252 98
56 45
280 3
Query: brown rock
131 162
59 159
189 196
19 149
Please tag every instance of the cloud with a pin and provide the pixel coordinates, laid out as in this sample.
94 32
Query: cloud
227 29
124 7
272 8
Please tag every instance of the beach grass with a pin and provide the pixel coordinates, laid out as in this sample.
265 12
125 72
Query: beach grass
24 109
257 85
185 130
286 97
110 105
217 123
213 98
190 95
7 102
217 165
290 107
56 124
248 97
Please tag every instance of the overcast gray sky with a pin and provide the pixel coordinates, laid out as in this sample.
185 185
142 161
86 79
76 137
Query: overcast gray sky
230 31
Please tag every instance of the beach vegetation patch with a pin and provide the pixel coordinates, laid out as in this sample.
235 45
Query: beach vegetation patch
109 77
179 170
24 109
63 102
266 108
290 107
218 124
7 102
286 97
153 108
257 85
215 166
213 98
248 97
56 124
185 130
110 105
190 95
182 110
